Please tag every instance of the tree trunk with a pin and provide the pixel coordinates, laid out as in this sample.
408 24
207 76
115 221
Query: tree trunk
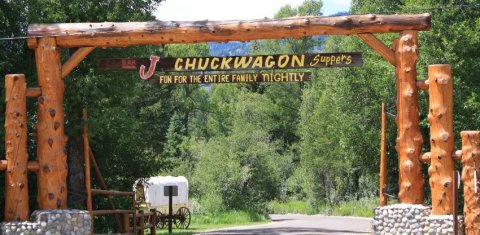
16 182
440 117
76 176
409 138
52 157
470 154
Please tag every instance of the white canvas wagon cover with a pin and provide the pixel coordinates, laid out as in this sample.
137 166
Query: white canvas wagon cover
153 189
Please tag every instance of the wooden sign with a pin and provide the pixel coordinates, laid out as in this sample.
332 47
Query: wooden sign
170 190
233 78
184 64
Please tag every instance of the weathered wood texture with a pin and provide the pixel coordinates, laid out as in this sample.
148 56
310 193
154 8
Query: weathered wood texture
409 138
383 160
440 116
16 182
379 47
116 34
470 155
51 139
75 59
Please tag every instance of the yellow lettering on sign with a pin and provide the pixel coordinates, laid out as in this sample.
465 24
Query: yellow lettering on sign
241 62
282 61
258 63
315 60
214 63
190 63
298 60
226 63
268 62
178 64
204 65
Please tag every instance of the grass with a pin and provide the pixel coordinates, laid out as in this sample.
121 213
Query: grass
293 207
206 222
362 208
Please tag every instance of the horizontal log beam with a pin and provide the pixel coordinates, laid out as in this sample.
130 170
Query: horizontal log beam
111 212
75 59
426 157
122 34
3 165
457 155
422 84
111 192
31 166
379 47
34 92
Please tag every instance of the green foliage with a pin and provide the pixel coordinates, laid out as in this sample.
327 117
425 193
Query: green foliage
285 148
294 207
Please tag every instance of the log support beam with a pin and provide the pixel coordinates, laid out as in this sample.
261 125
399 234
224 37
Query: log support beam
51 139
471 190
409 138
379 47
422 85
440 116
16 181
75 59
122 34
34 92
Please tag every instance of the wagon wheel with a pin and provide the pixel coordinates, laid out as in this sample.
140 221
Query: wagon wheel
182 218
161 220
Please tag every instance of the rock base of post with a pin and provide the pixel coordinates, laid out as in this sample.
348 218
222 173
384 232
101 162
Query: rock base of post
50 222
412 219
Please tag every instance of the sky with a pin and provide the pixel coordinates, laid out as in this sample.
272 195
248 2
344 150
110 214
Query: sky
191 10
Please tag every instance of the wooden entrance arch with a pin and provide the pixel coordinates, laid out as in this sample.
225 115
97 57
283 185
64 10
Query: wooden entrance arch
48 39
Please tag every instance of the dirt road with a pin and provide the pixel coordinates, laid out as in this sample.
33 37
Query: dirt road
303 224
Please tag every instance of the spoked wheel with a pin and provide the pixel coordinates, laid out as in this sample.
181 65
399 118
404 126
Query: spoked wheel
182 218
161 220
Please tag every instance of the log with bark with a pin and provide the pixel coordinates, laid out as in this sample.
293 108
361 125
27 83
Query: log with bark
122 34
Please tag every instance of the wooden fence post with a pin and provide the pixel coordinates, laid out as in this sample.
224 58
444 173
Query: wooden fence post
440 116
51 139
409 138
16 182
470 162
383 160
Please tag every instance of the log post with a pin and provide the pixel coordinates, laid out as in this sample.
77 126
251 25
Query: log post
383 160
409 138
51 139
16 182
86 155
470 155
440 116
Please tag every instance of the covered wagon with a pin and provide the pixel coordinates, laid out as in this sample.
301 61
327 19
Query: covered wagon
152 194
